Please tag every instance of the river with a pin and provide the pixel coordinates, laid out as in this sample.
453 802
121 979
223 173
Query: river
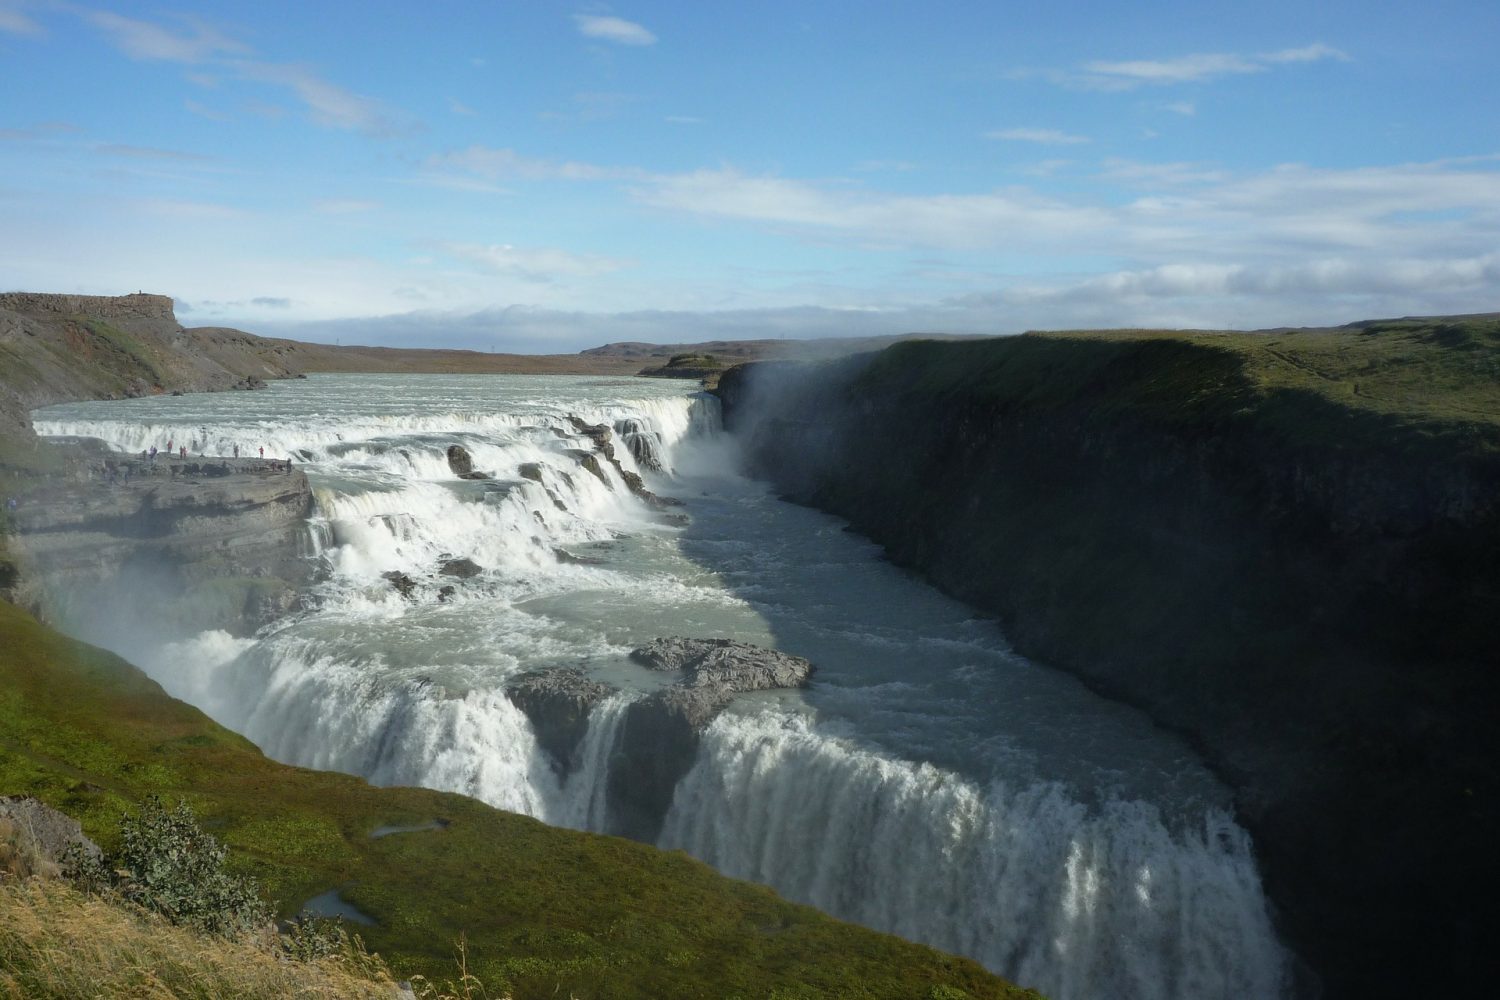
930 782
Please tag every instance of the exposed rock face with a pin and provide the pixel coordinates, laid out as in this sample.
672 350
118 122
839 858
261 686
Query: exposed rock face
661 732
644 445
558 702
658 738
590 462
724 664
598 433
1321 620
530 470
34 838
564 556
171 546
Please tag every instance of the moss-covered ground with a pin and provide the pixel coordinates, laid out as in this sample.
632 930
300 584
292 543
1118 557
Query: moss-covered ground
544 912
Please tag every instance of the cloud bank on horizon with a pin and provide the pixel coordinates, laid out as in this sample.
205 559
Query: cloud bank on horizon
545 177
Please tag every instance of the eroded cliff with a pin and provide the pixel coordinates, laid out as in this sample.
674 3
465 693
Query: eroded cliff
1287 548
116 546
120 548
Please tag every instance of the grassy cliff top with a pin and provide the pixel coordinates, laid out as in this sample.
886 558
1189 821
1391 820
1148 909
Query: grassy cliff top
1363 385
544 911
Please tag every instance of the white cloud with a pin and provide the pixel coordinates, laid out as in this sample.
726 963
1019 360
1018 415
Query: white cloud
204 111
149 153
1199 67
1185 108
1162 174
344 206
14 20
145 40
537 264
966 221
492 164
1045 136
329 104
458 107
38 133
1308 53
199 43
613 29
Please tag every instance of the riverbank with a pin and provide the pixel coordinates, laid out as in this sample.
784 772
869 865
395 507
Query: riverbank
1284 546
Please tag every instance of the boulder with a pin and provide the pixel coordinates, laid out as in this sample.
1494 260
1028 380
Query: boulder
404 585
34 838
459 460
531 471
464 569
644 445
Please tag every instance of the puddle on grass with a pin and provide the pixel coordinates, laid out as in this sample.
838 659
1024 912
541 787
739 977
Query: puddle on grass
331 905
386 831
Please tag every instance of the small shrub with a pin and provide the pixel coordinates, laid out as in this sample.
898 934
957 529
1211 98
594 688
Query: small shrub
167 864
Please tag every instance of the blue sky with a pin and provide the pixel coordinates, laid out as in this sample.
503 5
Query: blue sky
539 176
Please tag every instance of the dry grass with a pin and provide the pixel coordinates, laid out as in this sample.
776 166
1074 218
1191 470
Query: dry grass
56 942
19 855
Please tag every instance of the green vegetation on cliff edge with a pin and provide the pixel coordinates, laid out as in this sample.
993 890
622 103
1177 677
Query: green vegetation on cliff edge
545 912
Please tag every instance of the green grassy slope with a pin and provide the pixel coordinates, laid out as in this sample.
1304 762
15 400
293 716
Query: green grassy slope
545 912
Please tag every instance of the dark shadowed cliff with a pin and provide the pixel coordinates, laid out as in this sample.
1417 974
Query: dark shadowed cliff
1284 545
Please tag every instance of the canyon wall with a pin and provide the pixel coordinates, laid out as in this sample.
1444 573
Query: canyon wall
115 546
1309 591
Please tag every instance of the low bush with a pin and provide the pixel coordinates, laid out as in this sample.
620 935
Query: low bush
167 864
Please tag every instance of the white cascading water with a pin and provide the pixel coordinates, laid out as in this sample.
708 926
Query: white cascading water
930 783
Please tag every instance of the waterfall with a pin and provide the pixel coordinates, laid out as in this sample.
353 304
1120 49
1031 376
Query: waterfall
1076 901
583 804
1032 870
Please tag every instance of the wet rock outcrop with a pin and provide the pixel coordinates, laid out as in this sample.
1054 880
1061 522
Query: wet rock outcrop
464 569
658 737
660 734
643 444
558 703
640 443
462 463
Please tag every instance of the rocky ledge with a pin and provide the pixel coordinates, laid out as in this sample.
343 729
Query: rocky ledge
658 738
123 546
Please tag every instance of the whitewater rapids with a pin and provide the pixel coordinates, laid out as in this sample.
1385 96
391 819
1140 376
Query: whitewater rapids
930 783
